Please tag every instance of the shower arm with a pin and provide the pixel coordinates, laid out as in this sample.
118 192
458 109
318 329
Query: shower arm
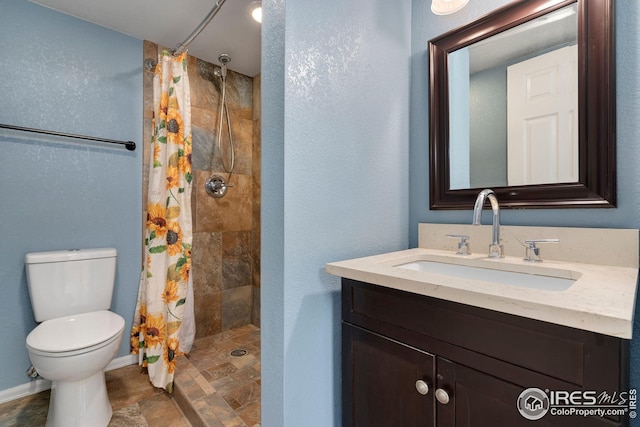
183 46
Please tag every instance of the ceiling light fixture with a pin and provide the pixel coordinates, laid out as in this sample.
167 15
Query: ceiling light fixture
445 7
255 8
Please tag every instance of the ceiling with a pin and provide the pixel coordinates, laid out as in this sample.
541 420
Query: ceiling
170 22
558 28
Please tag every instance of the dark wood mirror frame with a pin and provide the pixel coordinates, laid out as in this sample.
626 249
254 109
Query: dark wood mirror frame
596 99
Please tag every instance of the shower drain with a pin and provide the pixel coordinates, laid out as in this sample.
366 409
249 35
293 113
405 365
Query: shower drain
239 352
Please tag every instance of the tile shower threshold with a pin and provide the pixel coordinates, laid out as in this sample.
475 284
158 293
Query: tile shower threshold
218 386
187 406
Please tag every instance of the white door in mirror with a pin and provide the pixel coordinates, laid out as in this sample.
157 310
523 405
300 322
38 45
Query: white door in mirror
542 119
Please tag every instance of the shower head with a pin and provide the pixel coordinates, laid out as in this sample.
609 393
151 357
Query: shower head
224 58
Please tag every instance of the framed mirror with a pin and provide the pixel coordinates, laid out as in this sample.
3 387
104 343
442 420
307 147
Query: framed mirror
522 101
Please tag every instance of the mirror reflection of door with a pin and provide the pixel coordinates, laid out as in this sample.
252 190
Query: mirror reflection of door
542 119
467 155
481 153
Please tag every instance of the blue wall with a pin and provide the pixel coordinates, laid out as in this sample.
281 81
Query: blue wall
335 183
63 74
272 260
627 215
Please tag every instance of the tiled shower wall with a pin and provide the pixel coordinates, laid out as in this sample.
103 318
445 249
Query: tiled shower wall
226 231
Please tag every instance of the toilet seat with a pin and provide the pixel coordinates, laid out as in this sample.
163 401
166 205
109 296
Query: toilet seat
80 333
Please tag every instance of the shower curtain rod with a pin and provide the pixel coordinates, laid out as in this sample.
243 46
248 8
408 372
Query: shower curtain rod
129 145
183 46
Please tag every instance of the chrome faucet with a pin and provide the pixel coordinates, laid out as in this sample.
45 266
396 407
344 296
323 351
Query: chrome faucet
496 250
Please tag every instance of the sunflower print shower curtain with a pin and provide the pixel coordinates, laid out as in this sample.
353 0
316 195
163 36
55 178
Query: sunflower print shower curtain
163 293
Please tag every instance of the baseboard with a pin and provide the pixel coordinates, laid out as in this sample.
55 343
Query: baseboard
39 385
121 362
24 390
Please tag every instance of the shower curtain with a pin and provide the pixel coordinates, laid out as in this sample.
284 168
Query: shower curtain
163 326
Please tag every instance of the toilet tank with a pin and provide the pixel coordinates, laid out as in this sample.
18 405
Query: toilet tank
63 283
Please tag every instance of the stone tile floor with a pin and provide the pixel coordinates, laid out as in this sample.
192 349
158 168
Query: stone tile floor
212 387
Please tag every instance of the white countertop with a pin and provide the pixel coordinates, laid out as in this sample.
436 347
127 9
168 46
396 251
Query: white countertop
602 299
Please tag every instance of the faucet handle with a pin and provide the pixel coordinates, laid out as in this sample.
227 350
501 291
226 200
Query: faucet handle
533 252
463 244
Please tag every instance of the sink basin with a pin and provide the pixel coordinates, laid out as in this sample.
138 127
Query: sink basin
512 278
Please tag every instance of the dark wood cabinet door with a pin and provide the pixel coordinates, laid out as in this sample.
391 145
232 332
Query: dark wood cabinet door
477 399
379 382
485 360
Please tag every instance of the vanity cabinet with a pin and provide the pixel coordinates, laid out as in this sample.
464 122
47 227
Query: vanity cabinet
411 360
383 375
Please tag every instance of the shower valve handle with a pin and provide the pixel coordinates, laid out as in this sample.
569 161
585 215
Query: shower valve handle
216 186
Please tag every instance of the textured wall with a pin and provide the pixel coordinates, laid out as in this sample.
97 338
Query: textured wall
272 233
334 183
66 75
627 215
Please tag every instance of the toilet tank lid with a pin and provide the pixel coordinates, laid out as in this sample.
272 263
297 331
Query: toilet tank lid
69 255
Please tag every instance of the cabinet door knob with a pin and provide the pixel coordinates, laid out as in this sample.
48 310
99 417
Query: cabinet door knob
442 396
422 387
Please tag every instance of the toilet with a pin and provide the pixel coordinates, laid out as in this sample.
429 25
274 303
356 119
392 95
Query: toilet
78 336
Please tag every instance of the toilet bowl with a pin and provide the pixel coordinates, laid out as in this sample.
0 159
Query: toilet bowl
71 292
72 351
